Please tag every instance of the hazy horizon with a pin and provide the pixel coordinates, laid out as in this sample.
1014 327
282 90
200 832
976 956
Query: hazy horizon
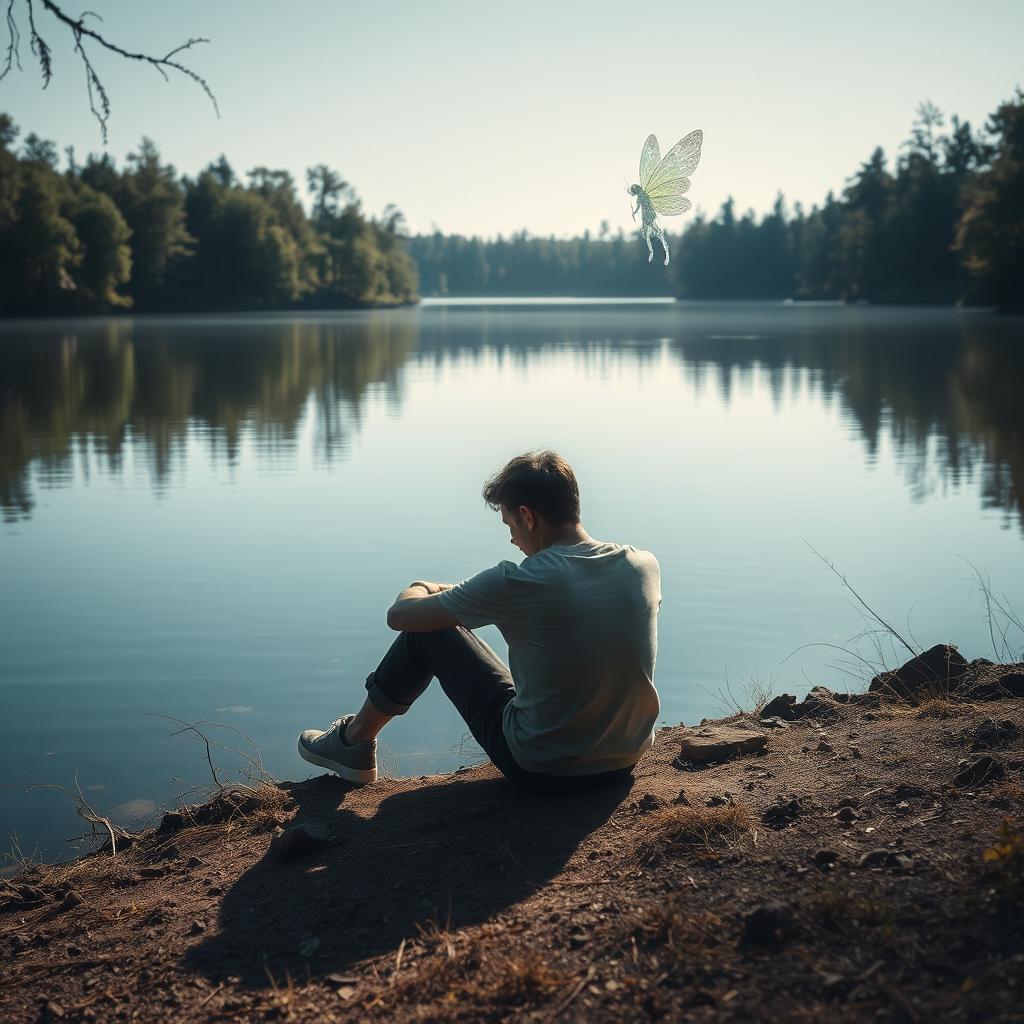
531 119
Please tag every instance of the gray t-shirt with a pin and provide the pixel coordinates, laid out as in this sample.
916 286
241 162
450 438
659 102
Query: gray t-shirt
581 625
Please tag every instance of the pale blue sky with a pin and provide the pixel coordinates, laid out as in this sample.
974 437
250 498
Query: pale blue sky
488 117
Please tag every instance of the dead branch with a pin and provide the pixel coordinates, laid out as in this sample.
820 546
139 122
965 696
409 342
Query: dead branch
83 809
99 100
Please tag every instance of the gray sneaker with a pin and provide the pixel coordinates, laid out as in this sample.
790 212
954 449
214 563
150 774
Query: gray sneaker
354 762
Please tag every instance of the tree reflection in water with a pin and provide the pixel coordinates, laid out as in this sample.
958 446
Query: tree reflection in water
942 387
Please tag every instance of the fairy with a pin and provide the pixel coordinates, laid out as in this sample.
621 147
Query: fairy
662 184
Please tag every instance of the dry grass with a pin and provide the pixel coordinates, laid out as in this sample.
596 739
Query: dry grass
519 980
840 911
448 979
259 806
676 831
675 924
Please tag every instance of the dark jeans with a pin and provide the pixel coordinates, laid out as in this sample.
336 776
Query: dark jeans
477 682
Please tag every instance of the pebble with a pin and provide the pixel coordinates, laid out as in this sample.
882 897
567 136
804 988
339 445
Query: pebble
825 859
298 840
979 770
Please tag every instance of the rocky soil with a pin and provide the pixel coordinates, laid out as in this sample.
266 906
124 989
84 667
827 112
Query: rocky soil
839 858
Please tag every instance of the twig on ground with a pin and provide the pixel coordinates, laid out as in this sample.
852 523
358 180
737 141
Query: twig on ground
577 989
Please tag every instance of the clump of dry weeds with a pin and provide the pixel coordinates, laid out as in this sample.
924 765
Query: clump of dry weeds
673 923
470 977
678 830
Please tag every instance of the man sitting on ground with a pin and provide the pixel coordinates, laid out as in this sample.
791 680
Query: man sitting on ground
576 704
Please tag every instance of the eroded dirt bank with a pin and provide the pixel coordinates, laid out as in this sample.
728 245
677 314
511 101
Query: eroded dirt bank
866 864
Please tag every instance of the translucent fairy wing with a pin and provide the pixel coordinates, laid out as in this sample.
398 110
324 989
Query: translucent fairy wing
671 205
649 157
670 176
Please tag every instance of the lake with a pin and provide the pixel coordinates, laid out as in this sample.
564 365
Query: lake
207 517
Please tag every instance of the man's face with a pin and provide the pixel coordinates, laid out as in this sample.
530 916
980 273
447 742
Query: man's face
519 525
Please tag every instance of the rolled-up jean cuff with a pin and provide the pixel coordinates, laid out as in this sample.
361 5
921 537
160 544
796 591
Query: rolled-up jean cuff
381 701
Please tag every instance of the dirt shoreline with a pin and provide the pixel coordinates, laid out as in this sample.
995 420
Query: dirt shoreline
866 864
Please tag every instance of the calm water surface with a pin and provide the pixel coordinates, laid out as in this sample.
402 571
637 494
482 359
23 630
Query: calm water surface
207 518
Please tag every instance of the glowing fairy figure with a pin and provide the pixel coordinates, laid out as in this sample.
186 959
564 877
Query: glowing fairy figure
662 184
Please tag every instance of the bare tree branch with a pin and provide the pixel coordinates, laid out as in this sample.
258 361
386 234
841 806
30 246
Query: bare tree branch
99 101
12 48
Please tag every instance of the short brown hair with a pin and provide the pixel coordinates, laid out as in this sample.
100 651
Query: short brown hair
543 481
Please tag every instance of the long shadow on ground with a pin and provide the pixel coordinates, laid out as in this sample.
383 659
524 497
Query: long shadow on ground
456 853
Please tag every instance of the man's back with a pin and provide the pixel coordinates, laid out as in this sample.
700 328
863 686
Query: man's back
580 621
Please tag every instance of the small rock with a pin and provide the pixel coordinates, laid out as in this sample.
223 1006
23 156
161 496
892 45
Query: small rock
775 722
718 801
825 859
193 862
825 747
855 752
991 735
848 801
718 743
53 1011
979 770
1012 684
938 671
886 859
780 707
782 813
682 799
649 802
152 872
197 927
847 815
215 890
70 901
768 923
903 807
295 841
172 821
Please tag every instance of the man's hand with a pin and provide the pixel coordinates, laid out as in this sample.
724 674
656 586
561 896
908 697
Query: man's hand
430 588
415 609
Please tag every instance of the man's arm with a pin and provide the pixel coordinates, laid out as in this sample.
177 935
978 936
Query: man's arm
418 610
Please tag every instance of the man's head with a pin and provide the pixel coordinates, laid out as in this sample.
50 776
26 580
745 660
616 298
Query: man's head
538 498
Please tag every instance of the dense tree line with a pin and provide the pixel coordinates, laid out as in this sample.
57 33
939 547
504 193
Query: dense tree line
96 237
945 225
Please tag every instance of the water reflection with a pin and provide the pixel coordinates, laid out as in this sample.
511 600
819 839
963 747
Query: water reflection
941 387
